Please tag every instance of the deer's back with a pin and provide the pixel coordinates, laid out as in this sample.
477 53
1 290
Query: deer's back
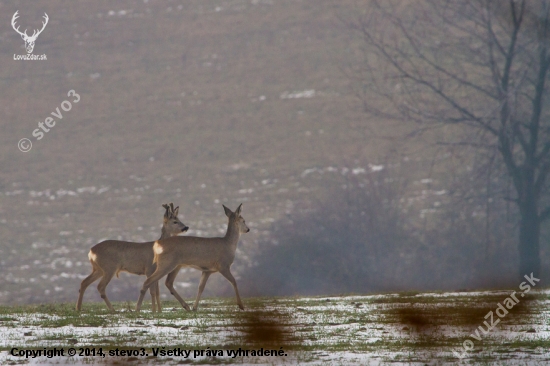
126 256
200 253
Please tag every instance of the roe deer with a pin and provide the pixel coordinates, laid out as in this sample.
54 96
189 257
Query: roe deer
208 255
113 256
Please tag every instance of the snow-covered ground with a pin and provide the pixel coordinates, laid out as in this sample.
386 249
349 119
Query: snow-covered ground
397 329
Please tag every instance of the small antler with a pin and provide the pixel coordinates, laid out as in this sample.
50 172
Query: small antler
168 213
174 210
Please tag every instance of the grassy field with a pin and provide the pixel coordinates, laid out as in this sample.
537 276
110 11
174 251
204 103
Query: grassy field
397 328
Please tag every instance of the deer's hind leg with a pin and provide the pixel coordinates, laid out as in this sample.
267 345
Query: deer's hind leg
157 293
154 291
153 298
84 285
102 285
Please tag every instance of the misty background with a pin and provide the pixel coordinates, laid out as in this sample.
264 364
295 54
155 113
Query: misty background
260 102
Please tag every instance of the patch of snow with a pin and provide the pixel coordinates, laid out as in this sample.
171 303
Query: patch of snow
310 93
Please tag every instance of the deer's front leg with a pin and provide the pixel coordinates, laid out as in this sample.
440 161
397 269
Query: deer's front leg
170 284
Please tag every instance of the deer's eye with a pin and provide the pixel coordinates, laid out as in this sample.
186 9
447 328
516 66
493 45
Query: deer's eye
175 222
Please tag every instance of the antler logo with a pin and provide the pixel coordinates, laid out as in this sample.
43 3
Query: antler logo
29 40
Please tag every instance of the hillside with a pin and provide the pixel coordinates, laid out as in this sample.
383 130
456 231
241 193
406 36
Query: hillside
198 103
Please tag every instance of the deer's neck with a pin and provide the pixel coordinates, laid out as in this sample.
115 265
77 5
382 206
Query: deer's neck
164 234
232 235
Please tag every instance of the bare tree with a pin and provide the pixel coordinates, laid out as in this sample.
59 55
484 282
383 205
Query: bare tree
479 65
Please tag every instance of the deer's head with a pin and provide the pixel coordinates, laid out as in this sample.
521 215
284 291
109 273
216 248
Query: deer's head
171 223
29 40
236 218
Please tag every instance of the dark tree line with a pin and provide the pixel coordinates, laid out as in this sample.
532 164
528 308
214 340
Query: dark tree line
363 235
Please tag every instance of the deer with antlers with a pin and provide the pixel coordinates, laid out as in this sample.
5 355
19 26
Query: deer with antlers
111 257
208 255
29 40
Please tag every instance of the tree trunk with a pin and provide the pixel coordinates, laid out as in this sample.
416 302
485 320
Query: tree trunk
529 234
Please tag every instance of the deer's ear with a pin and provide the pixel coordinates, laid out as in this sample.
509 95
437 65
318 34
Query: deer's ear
176 210
228 212
238 210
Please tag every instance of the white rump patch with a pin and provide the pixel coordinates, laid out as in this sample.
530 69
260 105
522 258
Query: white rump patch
92 256
157 248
